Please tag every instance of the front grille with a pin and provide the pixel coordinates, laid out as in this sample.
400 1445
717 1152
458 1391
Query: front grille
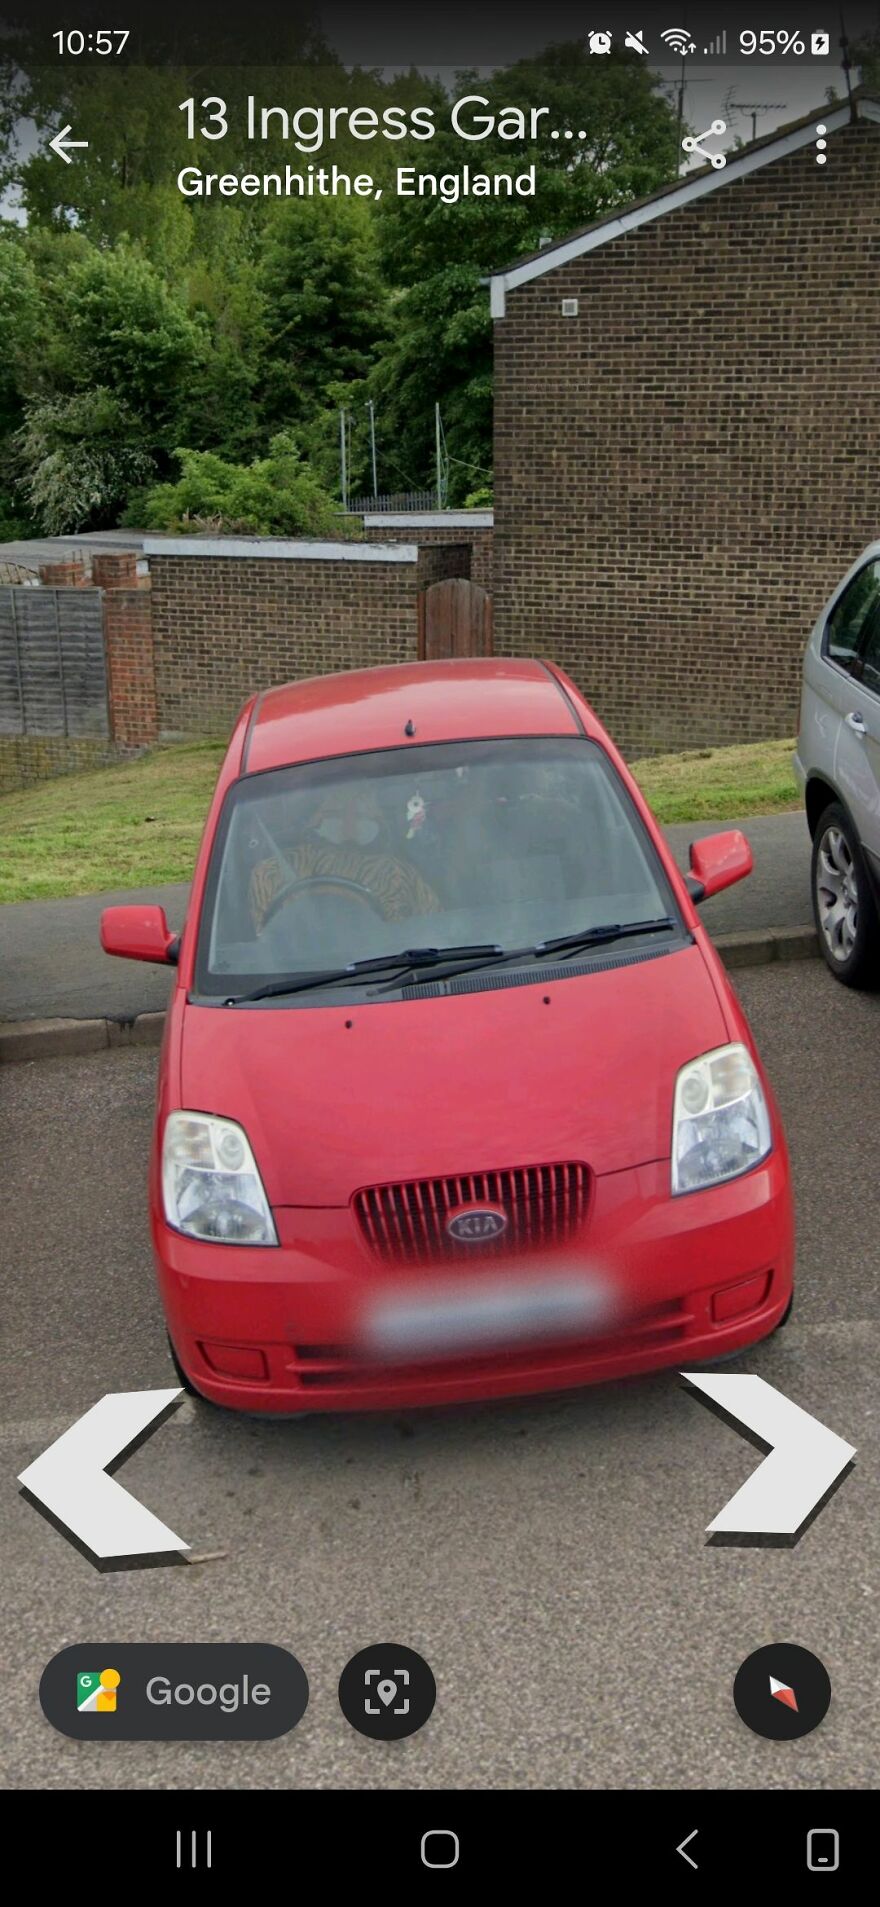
544 1205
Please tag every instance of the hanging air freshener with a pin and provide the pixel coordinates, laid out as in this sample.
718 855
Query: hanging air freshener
415 814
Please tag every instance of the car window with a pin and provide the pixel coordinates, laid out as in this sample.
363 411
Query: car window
870 657
508 842
851 616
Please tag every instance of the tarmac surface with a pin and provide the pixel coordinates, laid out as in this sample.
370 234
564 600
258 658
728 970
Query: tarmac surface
547 1557
51 963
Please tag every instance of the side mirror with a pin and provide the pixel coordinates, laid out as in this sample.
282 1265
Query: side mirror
717 862
139 933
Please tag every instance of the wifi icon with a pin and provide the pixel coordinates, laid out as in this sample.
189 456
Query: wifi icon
678 39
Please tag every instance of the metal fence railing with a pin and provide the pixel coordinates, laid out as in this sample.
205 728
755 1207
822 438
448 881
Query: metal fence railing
397 501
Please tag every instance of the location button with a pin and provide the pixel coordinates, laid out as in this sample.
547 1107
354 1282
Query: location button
174 1691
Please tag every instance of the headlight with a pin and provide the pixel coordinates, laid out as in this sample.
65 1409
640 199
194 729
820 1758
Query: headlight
210 1184
720 1125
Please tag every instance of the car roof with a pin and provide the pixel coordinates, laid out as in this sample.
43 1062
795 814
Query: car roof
457 700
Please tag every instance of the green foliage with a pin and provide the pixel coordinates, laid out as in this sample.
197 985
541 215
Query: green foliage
324 304
133 320
79 457
124 326
277 495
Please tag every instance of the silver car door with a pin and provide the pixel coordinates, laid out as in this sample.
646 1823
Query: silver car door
856 763
862 723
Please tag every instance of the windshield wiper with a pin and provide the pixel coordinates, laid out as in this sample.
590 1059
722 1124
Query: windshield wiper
405 962
565 945
597 936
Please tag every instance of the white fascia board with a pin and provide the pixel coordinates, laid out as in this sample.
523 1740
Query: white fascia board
280 550
428 520
688 193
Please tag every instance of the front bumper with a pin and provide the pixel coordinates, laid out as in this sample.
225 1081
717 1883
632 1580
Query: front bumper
689 1279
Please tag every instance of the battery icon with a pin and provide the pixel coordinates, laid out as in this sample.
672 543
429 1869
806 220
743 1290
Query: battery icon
820 44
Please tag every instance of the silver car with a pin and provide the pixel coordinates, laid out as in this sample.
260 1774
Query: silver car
838 768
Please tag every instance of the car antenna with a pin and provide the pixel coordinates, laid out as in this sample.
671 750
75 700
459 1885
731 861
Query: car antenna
410 728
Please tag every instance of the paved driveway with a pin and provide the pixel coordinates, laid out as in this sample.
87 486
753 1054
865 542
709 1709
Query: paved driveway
547 1557
51 962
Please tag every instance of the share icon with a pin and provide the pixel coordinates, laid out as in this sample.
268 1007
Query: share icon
691 143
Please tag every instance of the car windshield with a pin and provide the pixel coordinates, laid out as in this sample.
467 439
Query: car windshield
483 844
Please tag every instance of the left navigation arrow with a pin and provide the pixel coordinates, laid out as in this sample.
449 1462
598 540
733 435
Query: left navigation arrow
63 146
70 1479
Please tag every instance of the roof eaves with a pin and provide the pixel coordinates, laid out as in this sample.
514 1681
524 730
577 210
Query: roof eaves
670 198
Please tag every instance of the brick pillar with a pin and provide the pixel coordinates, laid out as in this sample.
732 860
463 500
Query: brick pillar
128 645
115 569
70 574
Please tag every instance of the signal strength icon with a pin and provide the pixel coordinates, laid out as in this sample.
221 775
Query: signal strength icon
716 46
679 40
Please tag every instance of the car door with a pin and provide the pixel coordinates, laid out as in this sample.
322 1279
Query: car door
861 727
849 632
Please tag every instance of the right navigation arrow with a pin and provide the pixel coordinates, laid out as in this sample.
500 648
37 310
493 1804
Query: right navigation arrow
806 1459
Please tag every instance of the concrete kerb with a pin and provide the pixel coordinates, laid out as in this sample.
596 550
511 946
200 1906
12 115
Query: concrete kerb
54 1039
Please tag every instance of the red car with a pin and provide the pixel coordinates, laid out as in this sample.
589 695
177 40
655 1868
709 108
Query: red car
455 1098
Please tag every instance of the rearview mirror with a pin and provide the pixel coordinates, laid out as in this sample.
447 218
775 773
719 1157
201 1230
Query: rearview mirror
139 933
717 862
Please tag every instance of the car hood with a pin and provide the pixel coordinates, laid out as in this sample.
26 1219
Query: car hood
338 1097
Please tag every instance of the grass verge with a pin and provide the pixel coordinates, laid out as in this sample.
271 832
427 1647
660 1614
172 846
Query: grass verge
138 824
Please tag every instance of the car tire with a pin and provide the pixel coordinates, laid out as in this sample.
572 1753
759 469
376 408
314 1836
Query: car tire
844 903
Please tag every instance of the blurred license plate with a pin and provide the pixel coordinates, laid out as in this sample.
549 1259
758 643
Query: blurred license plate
482 1316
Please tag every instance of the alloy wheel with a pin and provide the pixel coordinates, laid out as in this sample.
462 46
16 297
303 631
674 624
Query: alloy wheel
837 893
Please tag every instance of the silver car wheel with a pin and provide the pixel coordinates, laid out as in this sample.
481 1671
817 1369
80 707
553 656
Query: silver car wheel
837 893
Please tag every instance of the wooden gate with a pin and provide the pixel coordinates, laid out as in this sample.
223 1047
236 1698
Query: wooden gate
455 619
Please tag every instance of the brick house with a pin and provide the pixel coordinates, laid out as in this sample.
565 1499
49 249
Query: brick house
687 435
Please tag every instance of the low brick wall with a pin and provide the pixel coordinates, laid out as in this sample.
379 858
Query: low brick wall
468 532
25 759
232 614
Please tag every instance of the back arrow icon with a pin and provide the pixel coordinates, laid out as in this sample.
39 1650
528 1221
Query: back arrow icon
805 1463
62 145
70 1480
686 1843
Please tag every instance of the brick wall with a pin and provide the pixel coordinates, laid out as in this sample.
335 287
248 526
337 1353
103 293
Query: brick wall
25 759
131 674
467 532
224 625
440 561
685 470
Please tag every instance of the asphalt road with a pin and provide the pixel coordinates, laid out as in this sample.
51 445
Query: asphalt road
51 961
547 1557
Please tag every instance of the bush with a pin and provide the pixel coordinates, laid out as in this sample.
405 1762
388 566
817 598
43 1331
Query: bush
79 458
278 495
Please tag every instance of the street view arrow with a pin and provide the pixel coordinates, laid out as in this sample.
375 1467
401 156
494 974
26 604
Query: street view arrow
64 146
70 1479
686 1843
806 1459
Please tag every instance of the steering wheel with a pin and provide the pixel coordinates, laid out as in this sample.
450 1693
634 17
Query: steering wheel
334 882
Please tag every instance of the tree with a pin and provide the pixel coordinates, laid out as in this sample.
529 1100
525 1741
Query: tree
80 457
126 329
20 336
440 253
325 308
